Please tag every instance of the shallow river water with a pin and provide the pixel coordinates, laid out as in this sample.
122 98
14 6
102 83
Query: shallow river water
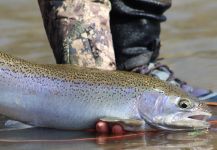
189 46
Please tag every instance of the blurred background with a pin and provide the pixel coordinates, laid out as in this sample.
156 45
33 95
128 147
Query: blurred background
189 37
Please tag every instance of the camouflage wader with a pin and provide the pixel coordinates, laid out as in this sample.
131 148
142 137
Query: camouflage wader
79 32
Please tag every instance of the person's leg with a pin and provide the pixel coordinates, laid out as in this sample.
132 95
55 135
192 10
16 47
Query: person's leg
79 32
135 26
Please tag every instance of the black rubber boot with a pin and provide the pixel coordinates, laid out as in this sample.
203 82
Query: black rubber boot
135 26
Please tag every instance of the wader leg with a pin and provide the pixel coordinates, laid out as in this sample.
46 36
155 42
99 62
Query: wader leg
135 26
79 32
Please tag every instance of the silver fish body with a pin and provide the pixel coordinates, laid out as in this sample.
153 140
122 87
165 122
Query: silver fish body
66 97
77 108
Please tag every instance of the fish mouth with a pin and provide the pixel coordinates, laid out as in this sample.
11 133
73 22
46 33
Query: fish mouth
199 117
183 121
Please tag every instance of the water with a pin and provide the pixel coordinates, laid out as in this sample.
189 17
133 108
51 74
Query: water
189 41
69 141
188 45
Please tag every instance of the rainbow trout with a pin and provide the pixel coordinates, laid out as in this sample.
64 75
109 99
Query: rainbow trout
67 97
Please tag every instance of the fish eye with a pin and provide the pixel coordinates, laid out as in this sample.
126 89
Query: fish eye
185 104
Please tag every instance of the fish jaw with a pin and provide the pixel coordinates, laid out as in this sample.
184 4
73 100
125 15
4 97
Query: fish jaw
183 121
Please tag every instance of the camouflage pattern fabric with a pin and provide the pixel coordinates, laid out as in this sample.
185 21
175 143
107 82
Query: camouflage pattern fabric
79 32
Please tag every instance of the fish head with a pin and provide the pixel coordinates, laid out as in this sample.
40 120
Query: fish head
173 111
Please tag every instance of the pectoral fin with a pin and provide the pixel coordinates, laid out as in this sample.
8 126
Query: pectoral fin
12 124
127 124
